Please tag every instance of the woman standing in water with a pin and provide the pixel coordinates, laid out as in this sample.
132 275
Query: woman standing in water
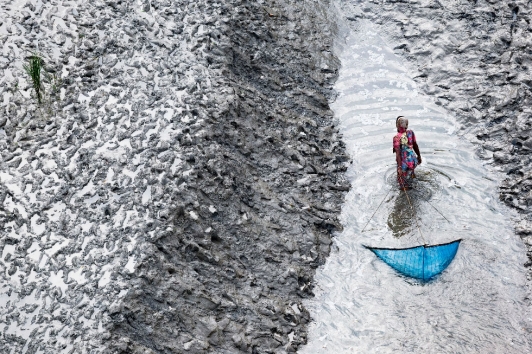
404 146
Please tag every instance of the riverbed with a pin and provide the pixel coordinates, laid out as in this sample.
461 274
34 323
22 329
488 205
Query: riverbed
362 305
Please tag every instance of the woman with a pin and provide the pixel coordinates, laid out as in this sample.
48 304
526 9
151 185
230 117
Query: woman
404 146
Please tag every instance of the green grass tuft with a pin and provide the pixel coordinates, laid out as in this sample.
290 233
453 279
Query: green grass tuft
33 69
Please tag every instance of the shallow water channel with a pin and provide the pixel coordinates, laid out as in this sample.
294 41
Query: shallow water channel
362 305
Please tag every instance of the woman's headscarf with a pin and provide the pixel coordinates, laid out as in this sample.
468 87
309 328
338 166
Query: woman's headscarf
401 124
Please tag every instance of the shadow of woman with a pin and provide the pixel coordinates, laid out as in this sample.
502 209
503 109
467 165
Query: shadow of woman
406 208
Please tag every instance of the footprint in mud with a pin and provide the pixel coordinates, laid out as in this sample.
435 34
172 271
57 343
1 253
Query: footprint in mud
407 205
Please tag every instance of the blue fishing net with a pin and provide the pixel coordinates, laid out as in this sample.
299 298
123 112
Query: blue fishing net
422 262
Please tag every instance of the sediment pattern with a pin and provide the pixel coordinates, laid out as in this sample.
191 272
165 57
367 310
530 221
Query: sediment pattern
179 185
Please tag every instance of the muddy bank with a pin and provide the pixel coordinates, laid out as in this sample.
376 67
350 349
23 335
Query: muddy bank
180 183
260 202
473 58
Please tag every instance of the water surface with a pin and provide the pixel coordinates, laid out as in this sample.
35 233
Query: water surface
362 305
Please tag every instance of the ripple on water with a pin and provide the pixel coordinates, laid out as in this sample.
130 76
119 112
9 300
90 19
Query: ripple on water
362 305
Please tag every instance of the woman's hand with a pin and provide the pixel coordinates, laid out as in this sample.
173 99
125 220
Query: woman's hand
419 160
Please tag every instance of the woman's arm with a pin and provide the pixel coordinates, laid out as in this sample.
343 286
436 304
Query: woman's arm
416 149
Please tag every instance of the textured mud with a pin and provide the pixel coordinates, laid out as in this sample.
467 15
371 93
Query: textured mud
474 59
178 189
180 184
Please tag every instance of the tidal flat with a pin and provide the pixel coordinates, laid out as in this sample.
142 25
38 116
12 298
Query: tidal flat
184 175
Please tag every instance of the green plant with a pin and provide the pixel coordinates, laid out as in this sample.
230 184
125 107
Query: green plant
33 69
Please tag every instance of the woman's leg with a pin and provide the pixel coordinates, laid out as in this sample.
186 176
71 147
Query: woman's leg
401 178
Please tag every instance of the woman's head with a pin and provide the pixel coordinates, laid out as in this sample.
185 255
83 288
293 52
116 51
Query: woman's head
401 123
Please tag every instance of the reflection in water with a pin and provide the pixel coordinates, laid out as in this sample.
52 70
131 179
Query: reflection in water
407 204
401 220
362 306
